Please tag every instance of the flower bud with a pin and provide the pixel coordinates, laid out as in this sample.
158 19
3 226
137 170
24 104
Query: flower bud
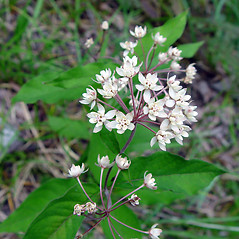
105 25
149 182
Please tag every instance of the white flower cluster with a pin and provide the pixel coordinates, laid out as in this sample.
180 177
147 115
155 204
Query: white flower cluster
153 99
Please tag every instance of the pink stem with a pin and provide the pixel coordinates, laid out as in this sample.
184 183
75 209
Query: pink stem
147 58
111 228
101 101
132 94
86 192
112 186
91 228
129 226
120 205
121 102
115 229
142 50
128 194
101 196
147 127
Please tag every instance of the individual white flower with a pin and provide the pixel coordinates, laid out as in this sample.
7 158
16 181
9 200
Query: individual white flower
122 122
190 113
76 171
183 132
104 162
79 209
148 83
128 46
190 73
163 57
104 76
174 53
129 68
149 182
175 66
105 25
134 200
159 39
155 232
163 136
173 83
89 42
180 98
89 97
122 163
110 89
139 32
155 109
90 207
175 119
99 118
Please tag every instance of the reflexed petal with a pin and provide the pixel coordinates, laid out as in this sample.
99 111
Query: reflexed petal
170 103
131 126
164 124
153 141
97 129
110 114
147 95
139 87
141 78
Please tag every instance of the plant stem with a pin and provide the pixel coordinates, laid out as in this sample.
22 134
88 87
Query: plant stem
120 205
147 127
128 195
132 94
86 192
91 228
121 102
111 228
112 186
115 229
101 101
147 58
129 226
101 196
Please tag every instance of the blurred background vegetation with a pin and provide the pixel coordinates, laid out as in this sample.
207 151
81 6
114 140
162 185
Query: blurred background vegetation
39 141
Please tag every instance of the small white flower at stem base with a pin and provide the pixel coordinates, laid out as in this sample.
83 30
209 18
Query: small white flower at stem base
89 42
105 25
122 163
100 118
149 182
154 232
90 207
139 32
76 171
104 162
89 97
159 39
79 209
134 200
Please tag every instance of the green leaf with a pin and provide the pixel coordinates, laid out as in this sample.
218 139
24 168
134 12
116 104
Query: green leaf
172 29
71 129
57 220
34 204
173 175
52 87
190 49
127 216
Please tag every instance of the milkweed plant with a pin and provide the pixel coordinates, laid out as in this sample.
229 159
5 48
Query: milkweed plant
147 93
156 96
